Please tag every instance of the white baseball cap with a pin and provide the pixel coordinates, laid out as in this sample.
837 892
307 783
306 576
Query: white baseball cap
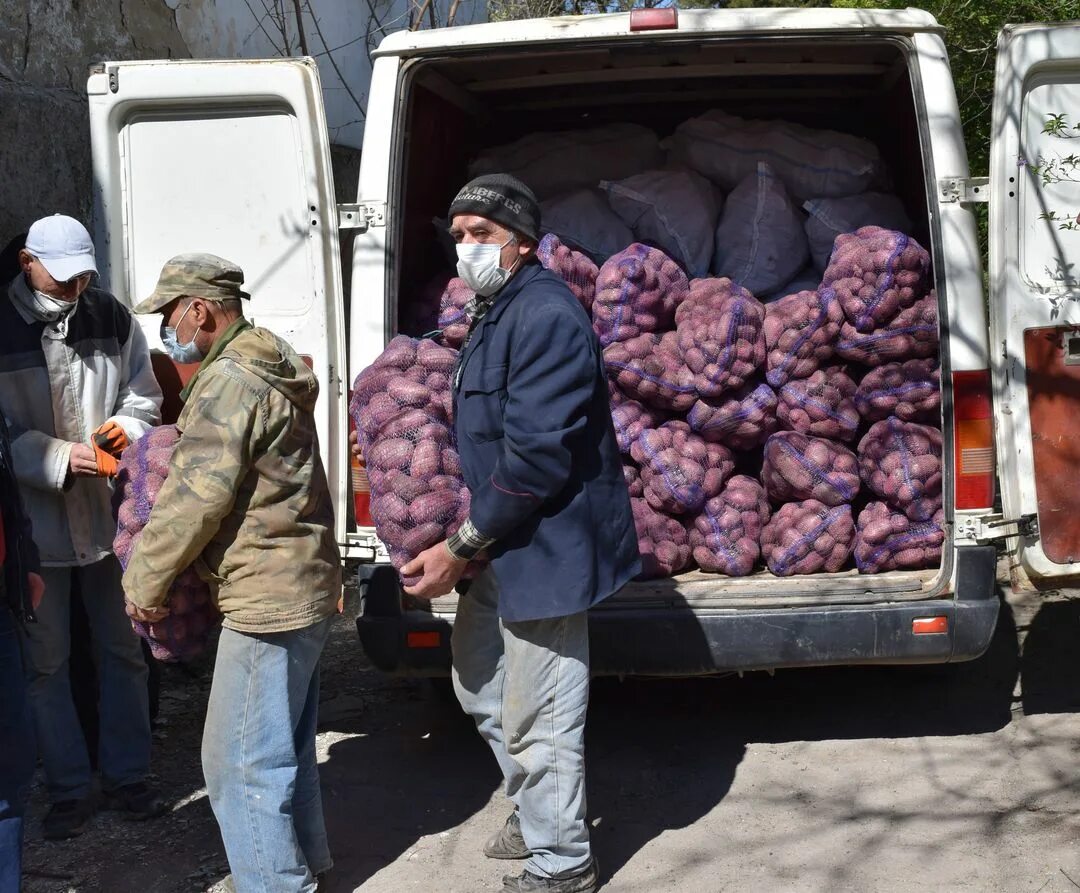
63 246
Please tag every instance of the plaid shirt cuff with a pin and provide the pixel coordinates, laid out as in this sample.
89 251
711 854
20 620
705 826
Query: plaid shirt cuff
467 542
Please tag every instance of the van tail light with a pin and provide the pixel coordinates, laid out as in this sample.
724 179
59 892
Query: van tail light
973 426
666 19
361 489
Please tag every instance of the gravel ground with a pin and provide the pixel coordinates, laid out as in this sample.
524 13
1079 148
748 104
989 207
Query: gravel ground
884 779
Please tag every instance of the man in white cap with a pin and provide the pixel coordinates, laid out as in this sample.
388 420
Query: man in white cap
76 385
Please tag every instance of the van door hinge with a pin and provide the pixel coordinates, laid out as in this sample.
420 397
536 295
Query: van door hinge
965 190
994 528
362 215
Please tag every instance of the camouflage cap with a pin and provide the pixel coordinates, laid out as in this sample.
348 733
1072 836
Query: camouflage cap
195 275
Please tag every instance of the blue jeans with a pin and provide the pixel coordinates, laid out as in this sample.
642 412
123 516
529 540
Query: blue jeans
258 757
16 752
123 708
527 687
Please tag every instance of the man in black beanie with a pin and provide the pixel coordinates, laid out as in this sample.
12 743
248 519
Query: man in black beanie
550 510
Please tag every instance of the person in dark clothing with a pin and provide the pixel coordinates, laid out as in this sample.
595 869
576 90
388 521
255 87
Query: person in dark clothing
21 590
550 509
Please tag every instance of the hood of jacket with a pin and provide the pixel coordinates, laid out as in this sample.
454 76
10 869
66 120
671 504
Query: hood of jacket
270 358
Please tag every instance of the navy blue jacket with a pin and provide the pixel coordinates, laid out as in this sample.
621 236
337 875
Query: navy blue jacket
539 455
22 554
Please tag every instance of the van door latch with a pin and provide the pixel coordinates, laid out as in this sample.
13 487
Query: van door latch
361 216
965 190
994 528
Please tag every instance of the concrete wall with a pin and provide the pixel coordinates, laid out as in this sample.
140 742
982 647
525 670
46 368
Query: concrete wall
46 47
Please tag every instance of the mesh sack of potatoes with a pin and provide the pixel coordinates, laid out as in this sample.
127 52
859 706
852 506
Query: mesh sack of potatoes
662 541
741 419
798 467
888 540
910 391
821 405
720 335
649 369
808 537
575 269
401 407
876 273
679 470
637 291
901 462
192 617
725 536
799 334
912 333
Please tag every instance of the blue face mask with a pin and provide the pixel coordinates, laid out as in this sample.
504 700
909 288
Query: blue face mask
180 353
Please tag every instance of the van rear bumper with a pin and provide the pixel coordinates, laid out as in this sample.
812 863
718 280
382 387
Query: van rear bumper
687 641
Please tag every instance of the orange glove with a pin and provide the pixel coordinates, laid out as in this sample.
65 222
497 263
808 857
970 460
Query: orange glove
108 441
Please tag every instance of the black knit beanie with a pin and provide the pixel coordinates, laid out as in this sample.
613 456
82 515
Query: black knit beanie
501 198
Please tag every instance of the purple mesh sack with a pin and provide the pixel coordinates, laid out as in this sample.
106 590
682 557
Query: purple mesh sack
401 407
573 267
798 467
910 391
725 536
741 419
911 333
799 334
453 320
876 273
637 291
632 476
192 615
887 540
680 471
821 405
720 337
662 542
648 368
808 537
901 462
631 418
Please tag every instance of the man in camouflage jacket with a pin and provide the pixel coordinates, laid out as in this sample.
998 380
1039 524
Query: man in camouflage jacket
246 501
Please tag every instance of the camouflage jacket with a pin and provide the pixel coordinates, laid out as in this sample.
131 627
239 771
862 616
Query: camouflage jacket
246 499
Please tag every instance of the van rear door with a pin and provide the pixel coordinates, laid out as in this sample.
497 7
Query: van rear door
1035 292
230 158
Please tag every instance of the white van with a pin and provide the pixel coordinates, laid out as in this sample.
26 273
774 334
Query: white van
232 157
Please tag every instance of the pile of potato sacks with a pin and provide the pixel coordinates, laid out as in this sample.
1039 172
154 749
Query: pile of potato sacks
802 434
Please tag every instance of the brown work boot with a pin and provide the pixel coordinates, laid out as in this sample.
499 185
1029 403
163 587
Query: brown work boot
527 882
507 842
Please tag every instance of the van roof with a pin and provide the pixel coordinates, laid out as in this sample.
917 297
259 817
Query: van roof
571 29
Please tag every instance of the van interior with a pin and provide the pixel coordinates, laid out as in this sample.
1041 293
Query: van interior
460 103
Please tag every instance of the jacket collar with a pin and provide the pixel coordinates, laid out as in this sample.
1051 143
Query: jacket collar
511 291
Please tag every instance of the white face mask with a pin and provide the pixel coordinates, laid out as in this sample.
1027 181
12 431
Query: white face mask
478 266
51 307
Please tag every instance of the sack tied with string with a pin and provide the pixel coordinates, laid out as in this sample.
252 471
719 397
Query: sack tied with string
876 273
649 369
725 536
741 419
192 617
888 540
662 542
720 335
799 334
574 268
798 467
821 405
637 291
910 391
679 470
901 462
808 537
401 406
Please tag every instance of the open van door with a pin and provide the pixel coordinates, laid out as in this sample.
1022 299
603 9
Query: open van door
230 158
1035 293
